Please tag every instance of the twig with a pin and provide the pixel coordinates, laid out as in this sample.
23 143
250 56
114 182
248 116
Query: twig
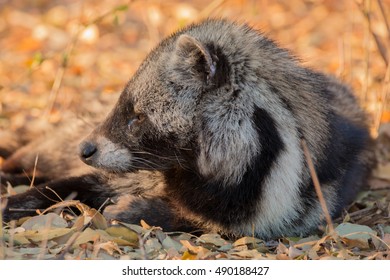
11 237
141 242
384 98
24 209
2 244
370 234
382 9
60 75
367 41
56 194
332 233
34 171
70 242
66 54
73 238
43 244
210 8
118 8
341 48
381 47
317 185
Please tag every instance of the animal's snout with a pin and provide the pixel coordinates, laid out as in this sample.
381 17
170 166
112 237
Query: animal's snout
87 150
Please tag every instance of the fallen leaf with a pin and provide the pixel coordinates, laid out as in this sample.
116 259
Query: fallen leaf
354 231
50 220
306 243
151 245
248 254
246 241
382 243
214 239
46 234
188 256
294 252
145 225
30 251
17 239
123 233
282 249
138 229
169 243
110 247
88 235
282 257
355 235
98 220
173 254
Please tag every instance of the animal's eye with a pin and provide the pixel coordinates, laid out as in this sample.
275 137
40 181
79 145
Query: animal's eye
136 120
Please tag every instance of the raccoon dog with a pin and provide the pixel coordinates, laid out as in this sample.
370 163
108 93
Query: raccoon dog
207 134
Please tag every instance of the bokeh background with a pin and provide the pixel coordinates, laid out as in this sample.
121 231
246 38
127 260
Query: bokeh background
54 53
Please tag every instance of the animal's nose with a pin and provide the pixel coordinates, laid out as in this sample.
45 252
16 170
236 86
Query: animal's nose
87 150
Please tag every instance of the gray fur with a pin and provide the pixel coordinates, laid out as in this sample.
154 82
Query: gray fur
191 114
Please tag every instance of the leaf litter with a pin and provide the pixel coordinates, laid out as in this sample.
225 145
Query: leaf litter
124 241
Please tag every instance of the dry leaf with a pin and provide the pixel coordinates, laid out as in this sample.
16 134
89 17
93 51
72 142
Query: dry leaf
353 231
109 246
50 220
282 249
188 256
294 252
247 241
88 235
98 220
152 245
169 243
214 239
145 225
17 239
248 254
123 233
46 234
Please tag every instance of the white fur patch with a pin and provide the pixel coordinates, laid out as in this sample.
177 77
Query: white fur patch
111 156
228 141
226 156
280 201
281 189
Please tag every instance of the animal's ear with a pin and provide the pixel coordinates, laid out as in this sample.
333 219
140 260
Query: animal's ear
192 62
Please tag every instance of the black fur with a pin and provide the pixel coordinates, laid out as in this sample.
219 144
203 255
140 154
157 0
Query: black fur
233 203
340 161
90 189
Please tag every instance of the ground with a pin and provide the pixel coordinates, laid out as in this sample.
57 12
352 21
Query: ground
57 56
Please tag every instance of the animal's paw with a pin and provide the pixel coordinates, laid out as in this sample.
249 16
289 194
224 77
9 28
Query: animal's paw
120 208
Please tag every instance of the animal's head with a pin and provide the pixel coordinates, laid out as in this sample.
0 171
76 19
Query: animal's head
183 108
